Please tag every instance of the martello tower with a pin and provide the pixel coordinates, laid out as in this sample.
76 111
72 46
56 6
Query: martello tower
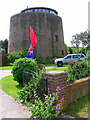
48 28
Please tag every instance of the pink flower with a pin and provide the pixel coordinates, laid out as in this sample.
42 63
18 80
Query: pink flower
56 92
50 103
58 111
58 105
34 90
46 102
62 99
58 88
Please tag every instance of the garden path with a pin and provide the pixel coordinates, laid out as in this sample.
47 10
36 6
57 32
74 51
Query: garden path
4 73
8 107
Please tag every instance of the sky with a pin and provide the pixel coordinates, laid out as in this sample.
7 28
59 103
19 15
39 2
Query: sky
74 14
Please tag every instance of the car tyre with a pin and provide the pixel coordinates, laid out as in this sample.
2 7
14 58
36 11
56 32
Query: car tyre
59 64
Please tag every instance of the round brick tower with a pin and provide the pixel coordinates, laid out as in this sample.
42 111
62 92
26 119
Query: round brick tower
47 26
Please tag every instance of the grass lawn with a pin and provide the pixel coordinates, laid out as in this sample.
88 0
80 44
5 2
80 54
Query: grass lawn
80 108
6 68
57 68
9 86
50 64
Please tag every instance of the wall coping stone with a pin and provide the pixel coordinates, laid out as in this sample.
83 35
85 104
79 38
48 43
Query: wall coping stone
79 81
54 72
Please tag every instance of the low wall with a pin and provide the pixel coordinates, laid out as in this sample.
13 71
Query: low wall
70 92
76 90
3 59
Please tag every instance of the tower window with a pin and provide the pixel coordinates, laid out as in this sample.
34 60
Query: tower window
56 38
62 52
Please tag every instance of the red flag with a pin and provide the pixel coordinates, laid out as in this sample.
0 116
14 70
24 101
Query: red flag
33 38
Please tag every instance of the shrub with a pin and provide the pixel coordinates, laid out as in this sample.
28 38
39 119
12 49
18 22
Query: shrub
23 64
50 108
2 52
77 71
16 55
88 57
26 93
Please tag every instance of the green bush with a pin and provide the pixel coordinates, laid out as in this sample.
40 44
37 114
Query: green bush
88 57
26 94
2 52
77 71
23 64
16 55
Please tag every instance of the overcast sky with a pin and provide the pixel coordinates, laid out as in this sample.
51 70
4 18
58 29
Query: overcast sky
74 14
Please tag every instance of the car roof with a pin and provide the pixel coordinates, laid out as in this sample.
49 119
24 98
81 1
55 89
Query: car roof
75 54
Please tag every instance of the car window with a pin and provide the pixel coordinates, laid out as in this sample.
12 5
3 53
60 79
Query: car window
82 56
68 57
75 56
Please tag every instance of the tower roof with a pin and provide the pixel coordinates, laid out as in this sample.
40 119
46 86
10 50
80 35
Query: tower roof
40 9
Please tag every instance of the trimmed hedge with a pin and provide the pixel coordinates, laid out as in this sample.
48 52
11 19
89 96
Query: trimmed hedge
23 64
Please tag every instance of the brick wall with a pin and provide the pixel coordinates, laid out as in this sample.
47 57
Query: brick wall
76 90
56 78
70 92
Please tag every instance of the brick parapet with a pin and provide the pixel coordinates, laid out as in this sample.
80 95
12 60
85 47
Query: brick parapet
76 90
71 92
56 78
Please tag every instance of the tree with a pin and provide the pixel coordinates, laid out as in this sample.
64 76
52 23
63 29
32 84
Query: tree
1 43
75 41
4 45
83 38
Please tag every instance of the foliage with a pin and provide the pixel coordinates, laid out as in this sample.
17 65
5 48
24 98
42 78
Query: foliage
81 38
70 50
23 64
26 93
47 59
2 52
16 55
4 45
39 59
77 71
88 57
50 108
